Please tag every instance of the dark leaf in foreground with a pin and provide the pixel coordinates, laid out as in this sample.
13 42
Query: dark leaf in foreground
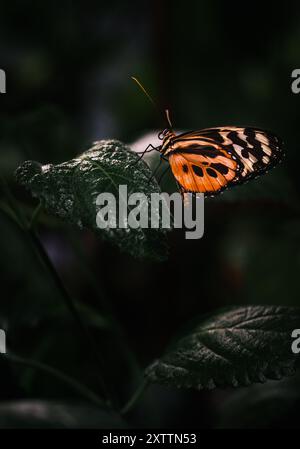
235 347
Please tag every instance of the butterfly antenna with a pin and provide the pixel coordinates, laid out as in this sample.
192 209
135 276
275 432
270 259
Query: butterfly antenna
153 102
168 118
144 91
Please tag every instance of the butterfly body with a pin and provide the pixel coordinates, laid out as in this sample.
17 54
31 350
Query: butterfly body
213 159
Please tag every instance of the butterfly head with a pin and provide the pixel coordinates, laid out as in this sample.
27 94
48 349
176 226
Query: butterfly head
166 135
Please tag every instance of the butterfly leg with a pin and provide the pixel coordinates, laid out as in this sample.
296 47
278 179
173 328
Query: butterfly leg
157 168
163 174
152 148
146 149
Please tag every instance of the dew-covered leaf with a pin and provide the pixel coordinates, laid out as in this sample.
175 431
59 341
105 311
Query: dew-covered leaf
234 347
69 190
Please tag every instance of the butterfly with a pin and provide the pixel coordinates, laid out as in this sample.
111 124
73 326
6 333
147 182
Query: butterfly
213 159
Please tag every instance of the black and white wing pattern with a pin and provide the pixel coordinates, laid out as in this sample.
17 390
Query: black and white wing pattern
255 150
213 159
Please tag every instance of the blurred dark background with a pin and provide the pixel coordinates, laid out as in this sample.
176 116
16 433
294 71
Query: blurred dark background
68 66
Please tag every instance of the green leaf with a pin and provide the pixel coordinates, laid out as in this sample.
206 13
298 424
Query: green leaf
234 347
69 191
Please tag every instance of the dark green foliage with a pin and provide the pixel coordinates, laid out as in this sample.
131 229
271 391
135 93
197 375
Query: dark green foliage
235 347
68 68
273 405
43 414
69 190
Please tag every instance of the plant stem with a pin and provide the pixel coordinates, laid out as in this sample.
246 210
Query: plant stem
70 304
74 384
107 309
135 397
35 215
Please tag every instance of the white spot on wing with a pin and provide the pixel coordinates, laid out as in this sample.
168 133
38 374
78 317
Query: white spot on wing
248 163
265 159
266 149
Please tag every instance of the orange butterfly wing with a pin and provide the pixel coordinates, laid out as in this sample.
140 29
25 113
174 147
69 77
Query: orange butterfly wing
202 173
212 159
